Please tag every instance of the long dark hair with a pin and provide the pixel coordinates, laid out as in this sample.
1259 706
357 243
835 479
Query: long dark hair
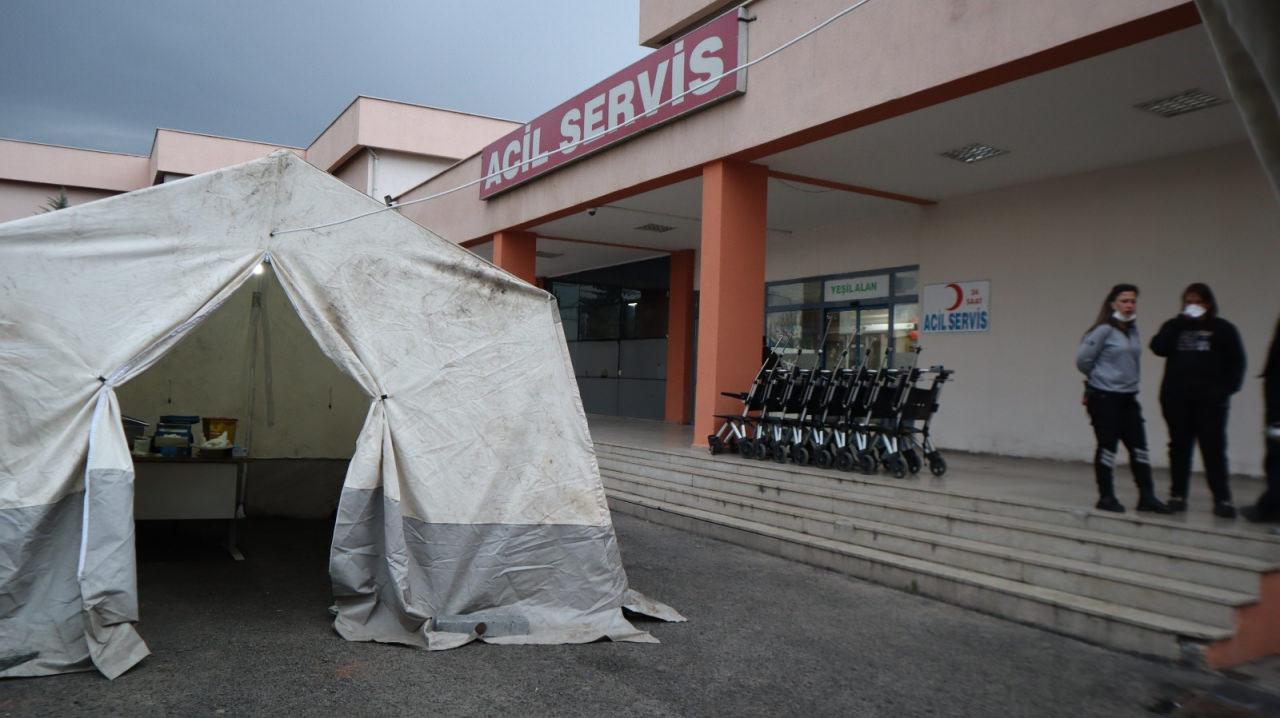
1104 314
1203 291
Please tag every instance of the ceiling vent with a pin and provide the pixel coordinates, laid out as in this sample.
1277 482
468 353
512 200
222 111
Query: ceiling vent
975 152
1182 103
655 227
548 255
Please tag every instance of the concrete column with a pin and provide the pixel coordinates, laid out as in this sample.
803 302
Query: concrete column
679 337
515 252
731 303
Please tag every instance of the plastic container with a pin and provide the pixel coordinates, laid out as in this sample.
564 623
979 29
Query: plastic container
214 425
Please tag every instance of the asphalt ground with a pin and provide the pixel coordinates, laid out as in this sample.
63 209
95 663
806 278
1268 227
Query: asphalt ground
765 636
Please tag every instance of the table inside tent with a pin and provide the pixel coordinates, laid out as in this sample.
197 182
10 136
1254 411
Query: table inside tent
191 488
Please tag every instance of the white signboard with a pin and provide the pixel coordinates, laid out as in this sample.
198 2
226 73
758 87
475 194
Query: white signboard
856 288
956 307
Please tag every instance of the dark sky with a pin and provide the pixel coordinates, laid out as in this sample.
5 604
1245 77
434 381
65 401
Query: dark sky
103 74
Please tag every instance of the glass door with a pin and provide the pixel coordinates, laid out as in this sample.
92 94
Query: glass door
871 324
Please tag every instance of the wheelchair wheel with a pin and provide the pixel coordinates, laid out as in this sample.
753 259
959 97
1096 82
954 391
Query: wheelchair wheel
824 458
937 465
800 455
867 463
746 447
761 449
895 465
715 444
913 461
845 460
781 453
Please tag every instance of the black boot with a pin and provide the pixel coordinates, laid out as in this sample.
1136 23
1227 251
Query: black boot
1148 503
1110 503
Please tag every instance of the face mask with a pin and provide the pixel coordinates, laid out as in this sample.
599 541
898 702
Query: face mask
1195 311
1122 318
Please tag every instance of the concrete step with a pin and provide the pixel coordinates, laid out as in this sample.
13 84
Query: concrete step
1101 622
1202 604
1164 530
1190 564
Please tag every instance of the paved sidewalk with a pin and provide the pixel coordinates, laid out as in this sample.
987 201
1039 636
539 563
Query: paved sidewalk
765 637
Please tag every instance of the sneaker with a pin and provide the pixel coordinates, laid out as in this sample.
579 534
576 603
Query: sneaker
1110 503
1151 504
1176 504
1224 509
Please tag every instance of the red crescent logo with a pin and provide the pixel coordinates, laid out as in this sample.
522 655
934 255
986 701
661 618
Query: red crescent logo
959 296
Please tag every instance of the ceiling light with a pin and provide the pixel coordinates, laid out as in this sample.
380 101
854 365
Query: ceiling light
975 152
1181 103
632 304
655 227
548 255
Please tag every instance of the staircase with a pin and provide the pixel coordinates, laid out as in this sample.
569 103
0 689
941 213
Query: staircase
1157 587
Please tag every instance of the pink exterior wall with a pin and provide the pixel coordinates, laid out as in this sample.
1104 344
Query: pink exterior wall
26 199
426 130
339 141
874 56
415 142
50 164
383 124
662 19
355 171
189 153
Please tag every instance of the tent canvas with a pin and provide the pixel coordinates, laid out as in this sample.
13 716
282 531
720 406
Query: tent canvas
473 493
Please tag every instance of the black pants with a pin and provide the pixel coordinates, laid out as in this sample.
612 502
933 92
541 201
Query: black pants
1268 505
1194 419
1117 418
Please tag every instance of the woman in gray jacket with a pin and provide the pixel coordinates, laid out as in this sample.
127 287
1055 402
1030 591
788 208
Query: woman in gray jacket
1110 355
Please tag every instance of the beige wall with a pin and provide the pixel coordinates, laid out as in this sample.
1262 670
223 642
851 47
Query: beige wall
189 153
379 172
398 172
1051 251
882 52
25 199
355 171
401 127
50 164
660 20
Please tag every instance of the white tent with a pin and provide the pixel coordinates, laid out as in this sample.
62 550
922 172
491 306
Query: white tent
473 493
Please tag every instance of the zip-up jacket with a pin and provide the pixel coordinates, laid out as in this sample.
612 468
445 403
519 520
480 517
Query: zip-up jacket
1205 357
1111 358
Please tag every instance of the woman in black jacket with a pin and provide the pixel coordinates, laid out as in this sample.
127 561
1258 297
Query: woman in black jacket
1204 367
1268 506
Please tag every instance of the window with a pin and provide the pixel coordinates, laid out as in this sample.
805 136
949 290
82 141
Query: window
906 333
779 295
593 312
795 335
878 325
906 283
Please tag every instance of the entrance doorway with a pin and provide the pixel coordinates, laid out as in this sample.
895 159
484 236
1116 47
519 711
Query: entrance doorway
615 325
883 330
